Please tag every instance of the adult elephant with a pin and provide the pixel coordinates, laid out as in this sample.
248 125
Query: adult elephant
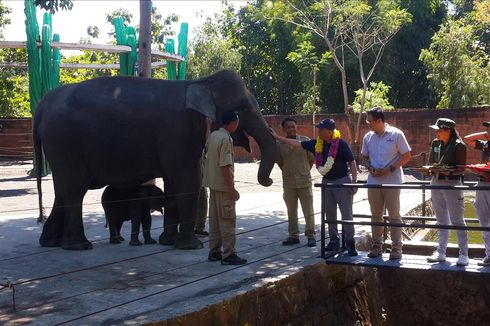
123 131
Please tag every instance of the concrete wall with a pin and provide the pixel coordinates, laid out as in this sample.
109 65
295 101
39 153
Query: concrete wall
15 133
345 295
15 138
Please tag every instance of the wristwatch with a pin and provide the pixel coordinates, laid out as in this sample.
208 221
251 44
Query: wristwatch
392 168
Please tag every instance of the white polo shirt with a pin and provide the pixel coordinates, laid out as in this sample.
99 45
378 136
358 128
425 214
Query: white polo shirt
383 151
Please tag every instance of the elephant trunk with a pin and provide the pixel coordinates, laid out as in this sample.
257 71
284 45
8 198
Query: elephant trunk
256 127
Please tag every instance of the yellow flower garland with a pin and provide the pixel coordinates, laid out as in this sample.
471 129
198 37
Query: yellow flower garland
323 170
319 141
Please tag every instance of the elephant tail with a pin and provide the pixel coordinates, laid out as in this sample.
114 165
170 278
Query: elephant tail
38 159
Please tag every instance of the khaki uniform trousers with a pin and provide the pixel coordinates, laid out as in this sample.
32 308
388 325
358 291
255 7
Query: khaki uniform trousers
482 208
379 199
222 223
305 196
202 209
449 209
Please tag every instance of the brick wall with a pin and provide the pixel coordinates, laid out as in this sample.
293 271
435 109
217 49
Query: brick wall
15 134
413 122
15 138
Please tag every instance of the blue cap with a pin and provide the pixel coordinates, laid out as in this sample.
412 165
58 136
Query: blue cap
326 124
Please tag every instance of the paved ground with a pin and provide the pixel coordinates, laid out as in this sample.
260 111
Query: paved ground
119 284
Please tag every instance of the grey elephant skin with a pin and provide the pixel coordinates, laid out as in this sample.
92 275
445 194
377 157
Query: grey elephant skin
134 204
123 131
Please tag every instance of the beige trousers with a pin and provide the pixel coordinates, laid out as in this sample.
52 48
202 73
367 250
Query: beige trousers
222 223
305 197
378 200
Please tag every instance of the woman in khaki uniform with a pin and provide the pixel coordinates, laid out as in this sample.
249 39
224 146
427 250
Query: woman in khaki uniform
448 150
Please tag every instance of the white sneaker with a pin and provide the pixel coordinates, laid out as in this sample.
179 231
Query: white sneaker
463 260
485 261
437 258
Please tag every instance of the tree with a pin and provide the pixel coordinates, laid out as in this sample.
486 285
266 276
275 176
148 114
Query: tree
54 5
93 31
376 96
210 52
144 39
306 59
358 26
459 68
264 46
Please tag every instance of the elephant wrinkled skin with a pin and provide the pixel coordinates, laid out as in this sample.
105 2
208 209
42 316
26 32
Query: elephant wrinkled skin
123 131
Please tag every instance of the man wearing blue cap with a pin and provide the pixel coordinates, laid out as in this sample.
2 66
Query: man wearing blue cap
333 158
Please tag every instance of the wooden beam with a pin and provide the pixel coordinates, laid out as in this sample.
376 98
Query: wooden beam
167 56
93 47
23 65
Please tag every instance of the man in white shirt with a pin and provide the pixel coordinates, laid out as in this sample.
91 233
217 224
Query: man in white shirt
385 150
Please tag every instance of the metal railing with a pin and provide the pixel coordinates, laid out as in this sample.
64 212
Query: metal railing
417 185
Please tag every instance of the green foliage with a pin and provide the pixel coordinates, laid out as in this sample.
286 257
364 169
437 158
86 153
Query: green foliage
161 27
458 67
211 52
54 5
14 86
376 95
93 31
4 19
87 57
264 45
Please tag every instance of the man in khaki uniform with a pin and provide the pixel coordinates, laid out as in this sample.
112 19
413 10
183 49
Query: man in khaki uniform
295 164
219 178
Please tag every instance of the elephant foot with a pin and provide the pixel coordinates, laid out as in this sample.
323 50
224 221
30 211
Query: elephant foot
49 242
188 242
115 240
150 241
135 243
166 239
79 245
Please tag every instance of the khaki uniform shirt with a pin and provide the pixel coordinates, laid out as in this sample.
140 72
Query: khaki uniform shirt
219 153
295 165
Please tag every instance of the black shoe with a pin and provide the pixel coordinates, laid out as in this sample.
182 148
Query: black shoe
233 259
333 246
215 256
351 248
311 242
290 241
203 233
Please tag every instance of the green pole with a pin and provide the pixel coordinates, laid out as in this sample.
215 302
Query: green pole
184 28
133 55
56 64
121 39
171 66
33 59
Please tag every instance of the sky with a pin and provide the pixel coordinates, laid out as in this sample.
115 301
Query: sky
72 24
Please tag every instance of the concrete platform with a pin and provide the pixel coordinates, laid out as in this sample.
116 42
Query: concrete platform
408 261
119 284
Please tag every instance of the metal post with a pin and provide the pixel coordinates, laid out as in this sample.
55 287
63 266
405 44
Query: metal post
322 216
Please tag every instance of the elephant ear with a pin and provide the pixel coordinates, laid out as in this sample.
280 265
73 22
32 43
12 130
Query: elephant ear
199 98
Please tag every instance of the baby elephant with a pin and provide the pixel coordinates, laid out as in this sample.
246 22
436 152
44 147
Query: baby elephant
133 204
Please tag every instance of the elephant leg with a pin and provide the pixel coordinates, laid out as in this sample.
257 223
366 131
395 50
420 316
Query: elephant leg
170 224
119 223
135 216
53 227
146 225
114 229
187 212
73 231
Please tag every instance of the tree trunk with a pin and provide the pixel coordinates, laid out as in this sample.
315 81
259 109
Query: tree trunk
313 115
144 46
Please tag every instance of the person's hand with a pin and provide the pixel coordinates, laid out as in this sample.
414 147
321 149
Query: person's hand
273 133
234 195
